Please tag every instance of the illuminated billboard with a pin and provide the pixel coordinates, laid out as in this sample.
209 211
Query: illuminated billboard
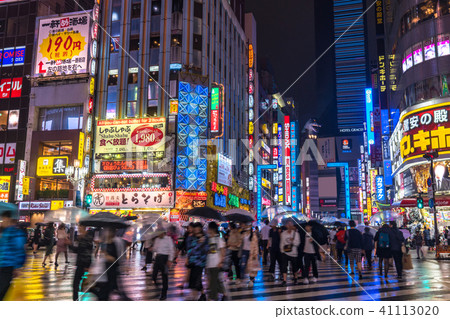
369 114
287 160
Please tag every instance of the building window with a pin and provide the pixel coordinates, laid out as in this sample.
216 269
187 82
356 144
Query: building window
198 42
57 148
3 120
156 7
134 44
198 10
177 5
116 6
60 118
17 26
135 10
153 91
112 78
53 188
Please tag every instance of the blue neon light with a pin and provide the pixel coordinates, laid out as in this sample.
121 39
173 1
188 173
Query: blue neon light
294 198
369 112
387 173
347 186
379 183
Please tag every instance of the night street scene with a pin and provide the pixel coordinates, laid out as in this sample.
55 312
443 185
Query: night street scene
224 150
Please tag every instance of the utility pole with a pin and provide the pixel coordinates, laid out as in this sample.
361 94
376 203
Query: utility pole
431 156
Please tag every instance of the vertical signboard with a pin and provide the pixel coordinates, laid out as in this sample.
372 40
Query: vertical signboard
5 182
381 195
251 103
280 165
369 114
216 112
293 155
22 166
287 160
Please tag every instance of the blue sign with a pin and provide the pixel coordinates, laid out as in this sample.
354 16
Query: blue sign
19 56
387 173
385 122
175 66
379 183
220 200
347 186
294 198
359 172
369 115
293 154
8 57
431 203
386 149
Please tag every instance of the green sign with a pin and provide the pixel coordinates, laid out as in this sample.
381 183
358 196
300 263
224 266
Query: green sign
214 99
233 200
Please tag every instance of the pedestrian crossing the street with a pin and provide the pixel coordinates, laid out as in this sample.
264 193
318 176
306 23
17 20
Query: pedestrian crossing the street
429 280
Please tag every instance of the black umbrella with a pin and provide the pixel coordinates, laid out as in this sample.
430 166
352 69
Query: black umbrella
319 232
104 219
130 217
339 224
239 218
206 212
41 224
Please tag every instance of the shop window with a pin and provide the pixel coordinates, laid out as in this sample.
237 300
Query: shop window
132 182
113 78
53 188
153 88
111 111
426 10
57 148
431 88
444 7
13 120
3 120
154 42
132 77
60 118
152 111
132 92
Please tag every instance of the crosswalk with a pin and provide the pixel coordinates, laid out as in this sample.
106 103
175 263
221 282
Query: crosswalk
429 280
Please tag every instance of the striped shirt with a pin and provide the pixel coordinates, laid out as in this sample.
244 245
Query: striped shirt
12 248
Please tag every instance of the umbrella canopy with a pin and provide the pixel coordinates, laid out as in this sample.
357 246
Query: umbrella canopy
41 224
104 219
319 232
273 222
240 215
206 212
362 228
130 217
406 233
9 207
275 210
329 220
51 219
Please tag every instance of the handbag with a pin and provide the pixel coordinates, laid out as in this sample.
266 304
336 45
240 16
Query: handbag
288 248
407 262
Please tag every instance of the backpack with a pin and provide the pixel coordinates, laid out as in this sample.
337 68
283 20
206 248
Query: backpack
341 236
383 241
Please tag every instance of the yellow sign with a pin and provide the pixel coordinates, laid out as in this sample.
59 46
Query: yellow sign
250 128
275 128
62 45
81 148
173 106
265 129
250 56
265 183
26 186
92 86
56 204
52 166
5 181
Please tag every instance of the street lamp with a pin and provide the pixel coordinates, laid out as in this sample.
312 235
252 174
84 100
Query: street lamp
431 156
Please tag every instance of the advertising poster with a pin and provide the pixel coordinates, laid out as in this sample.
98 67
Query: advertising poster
132 135
52 166
5 182
287 160
224 170
62 45
164 199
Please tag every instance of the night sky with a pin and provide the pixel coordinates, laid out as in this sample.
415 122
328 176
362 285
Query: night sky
291 35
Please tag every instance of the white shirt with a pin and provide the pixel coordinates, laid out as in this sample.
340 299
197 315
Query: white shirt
331 236
246 242
290 238
265 232
309 246
164 246
216 244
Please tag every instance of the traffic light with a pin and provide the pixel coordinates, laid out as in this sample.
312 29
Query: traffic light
88 200
420 202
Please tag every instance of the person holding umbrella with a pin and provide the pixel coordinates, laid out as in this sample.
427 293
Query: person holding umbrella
234 245
289 242
164 251
310 250
12 249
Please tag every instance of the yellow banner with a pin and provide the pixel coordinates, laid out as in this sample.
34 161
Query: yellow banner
56 204
26 186
81 148
52 166
5 182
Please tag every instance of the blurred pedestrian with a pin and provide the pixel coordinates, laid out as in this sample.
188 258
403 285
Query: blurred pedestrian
61 243
234 245
37 237
332 242
12 251
247 235
253 265
274 249
214 262
397 242
265 231
368 246
289 242
383 249
164 251
49 241
197 261
310 251
354 243
188 236
83 247
340 245
418 239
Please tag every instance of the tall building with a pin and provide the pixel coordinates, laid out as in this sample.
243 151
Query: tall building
351 65
418 40
175 72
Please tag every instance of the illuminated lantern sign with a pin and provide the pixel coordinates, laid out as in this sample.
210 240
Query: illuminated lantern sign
287 160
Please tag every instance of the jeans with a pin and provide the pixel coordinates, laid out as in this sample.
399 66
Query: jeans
79 272
6 276
398 259
265 251
275 256
419 251
244 260
235 262
368 254
310 260
160 265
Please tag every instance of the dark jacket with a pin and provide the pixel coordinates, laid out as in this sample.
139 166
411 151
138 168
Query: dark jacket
354 239
396 239
301 247
367 241
83 250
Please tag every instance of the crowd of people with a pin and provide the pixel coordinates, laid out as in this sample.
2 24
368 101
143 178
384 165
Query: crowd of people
218 255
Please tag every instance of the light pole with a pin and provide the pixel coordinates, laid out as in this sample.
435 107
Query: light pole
431 156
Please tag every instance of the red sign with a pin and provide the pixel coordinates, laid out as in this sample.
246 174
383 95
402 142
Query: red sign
10 88
146 135
275 152
250 142
130 165
266 201
174 216
287 159
214 121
